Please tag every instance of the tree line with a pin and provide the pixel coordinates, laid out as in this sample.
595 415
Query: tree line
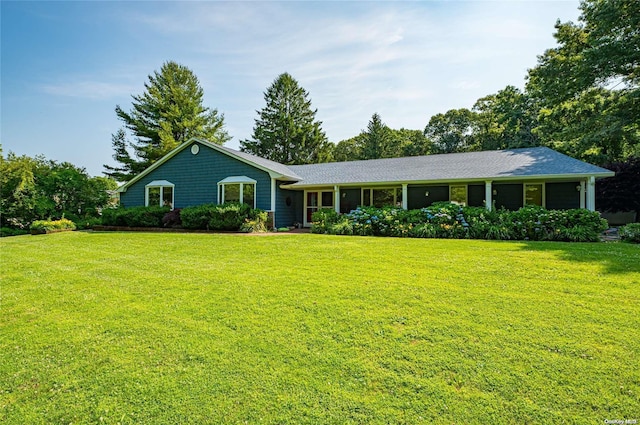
582 98
37 189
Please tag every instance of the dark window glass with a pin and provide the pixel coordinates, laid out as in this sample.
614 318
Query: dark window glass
248 191
327 199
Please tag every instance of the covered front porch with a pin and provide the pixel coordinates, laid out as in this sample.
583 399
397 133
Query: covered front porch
508 194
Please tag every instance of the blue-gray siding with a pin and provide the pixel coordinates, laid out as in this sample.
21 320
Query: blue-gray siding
196 179
289 206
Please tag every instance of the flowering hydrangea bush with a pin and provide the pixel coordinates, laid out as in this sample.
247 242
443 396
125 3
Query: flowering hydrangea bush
448 220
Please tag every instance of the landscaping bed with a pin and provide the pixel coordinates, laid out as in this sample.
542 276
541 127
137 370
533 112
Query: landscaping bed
451 221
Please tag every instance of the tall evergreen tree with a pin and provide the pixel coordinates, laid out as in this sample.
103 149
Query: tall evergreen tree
168 113
377 141
286 129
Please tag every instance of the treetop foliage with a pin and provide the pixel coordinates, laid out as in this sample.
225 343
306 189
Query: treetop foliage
286 129
168 113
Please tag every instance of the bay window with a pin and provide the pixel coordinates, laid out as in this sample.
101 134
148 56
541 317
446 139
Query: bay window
240 189
159 193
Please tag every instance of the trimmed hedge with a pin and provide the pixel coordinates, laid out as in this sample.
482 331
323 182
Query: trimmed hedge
10 231
134 217
230 216
447 220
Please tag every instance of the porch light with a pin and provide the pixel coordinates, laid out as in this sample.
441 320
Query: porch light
426 193
495 192
578 187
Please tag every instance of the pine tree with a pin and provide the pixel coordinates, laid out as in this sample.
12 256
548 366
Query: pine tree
286 130
167 114
377 140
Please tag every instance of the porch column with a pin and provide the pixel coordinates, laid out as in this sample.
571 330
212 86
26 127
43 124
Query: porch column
273 201
336 198
582 194
405 201
591 193
488 192
273 194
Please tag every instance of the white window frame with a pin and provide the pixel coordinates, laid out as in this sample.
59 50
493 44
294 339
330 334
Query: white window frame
159 184
466 193
544 193
397 191
241 180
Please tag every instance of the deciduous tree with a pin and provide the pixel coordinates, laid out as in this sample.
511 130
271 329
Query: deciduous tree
35 189
588 87
452 131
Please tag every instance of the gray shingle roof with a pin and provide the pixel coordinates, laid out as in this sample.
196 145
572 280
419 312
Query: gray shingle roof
264 163
487 165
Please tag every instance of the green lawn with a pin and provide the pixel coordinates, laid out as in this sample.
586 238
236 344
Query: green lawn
199 328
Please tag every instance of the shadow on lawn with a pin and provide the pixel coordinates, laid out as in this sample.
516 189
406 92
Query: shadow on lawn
614 257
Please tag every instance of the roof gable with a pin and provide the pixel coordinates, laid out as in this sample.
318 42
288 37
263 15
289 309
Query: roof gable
275 169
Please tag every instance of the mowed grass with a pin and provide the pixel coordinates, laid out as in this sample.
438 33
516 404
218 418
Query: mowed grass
199 328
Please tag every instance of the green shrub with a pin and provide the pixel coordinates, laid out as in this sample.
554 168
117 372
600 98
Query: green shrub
197 217
322 220
499 231
229 216
87 223
257 222
342 227
630 233
48 225
424 230
9 231
134 216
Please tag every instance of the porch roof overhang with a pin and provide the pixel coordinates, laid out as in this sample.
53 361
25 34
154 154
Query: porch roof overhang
501 179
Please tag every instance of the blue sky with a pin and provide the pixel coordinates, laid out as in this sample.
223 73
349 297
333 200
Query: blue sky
66 65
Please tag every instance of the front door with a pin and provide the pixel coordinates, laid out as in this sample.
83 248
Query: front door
315 200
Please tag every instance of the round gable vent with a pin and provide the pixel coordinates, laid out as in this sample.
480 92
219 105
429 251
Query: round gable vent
195 149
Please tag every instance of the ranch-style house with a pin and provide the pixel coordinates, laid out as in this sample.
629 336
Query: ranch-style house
200 172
